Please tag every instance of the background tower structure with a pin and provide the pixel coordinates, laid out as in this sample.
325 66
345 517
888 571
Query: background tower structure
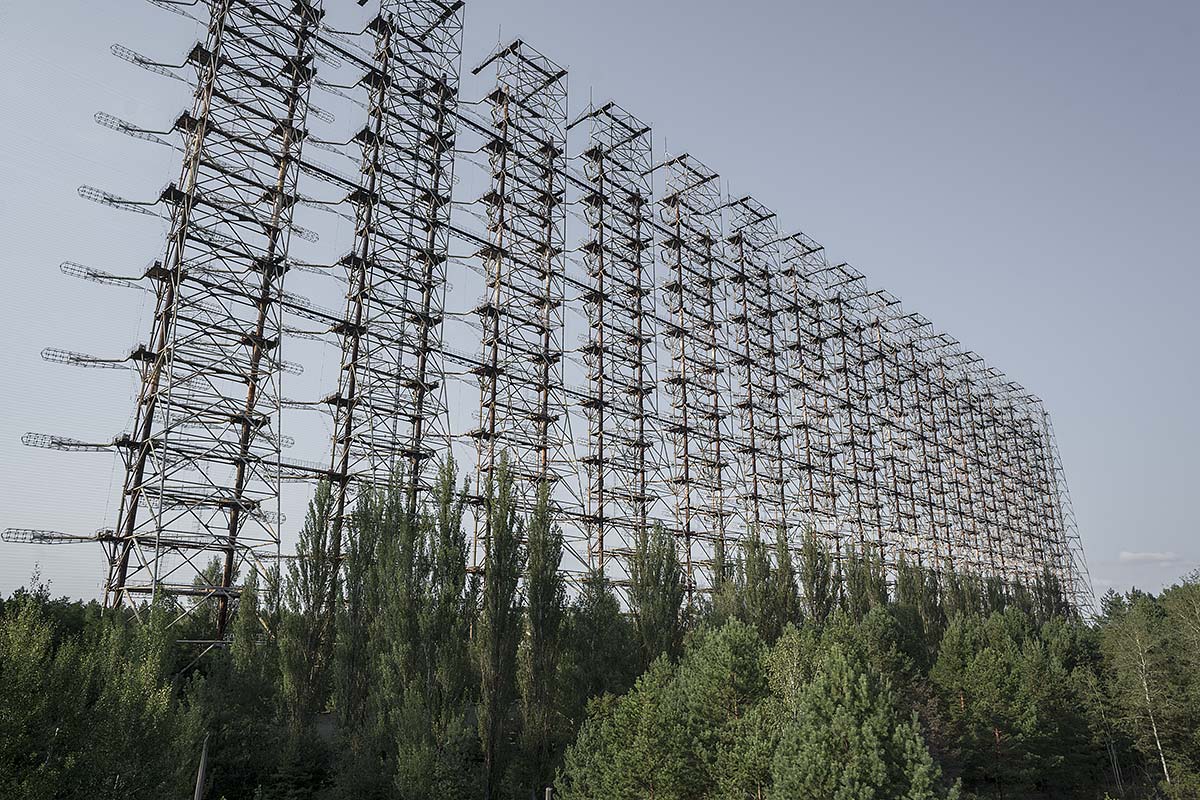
754 336
813 403
522 402
696 383
390 413
730 380
622 461
202 463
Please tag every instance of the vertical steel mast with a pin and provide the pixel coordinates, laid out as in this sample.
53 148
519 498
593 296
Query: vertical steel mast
390 413
621 463
202 462
696 384
755 337
522 405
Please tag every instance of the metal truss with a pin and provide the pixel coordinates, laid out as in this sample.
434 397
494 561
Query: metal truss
389 410
521 395
755 332
622 462
908 445
203 463
732 381
696 383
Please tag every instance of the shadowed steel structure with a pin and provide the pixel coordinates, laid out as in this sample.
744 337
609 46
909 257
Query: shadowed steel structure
202 463
521 394
622 462
724 378
389 410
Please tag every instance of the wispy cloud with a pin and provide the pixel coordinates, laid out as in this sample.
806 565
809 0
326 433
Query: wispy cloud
1149 558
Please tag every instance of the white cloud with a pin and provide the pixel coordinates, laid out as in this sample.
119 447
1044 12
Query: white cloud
1148 558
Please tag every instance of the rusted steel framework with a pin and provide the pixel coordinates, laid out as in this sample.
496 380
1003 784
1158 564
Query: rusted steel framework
389 410
907 445
621 464
755 337
696 383
521 395
202 463
731 381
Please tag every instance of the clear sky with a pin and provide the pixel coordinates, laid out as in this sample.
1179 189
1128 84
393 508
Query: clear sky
1026 174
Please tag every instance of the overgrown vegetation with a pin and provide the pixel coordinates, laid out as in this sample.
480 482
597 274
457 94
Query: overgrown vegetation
398 673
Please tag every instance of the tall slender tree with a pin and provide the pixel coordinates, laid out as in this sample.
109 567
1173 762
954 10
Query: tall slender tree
656 594
783 587
499 626
311 594
545 604
817 579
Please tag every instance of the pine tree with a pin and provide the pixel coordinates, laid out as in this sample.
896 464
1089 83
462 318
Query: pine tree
847 741
600 653
721 685
632 747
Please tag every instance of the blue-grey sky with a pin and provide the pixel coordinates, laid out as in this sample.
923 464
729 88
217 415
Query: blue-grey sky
1025 174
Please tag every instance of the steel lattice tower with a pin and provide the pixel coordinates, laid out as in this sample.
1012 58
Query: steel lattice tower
621 464
754 332
521 395
389 410
732 382
202 464
694 298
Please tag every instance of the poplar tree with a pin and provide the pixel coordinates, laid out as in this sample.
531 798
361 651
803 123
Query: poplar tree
360 602
783 587
311 593
545 603
499 626
656 594
817 579
757 589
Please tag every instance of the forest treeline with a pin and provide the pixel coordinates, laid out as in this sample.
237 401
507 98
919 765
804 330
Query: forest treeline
397 672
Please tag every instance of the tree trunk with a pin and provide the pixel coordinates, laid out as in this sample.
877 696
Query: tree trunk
1143 670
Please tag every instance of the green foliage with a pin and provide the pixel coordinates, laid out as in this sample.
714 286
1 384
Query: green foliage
865 582
545 594
1153 681
732 720
499 627
89 714
601 653
1012 706
379 667
818 584
311 593
845 739
656 594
